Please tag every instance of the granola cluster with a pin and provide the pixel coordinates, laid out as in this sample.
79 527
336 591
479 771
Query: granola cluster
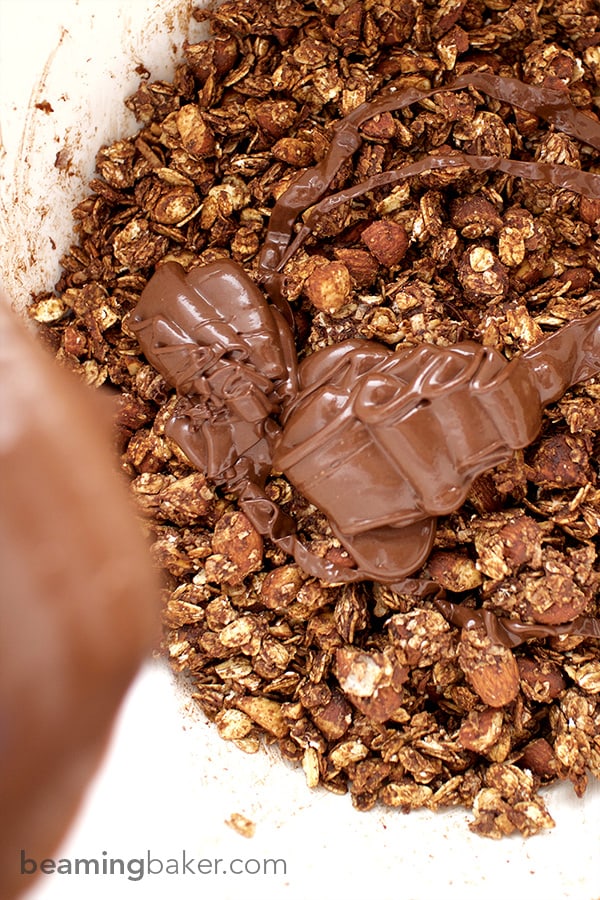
371 691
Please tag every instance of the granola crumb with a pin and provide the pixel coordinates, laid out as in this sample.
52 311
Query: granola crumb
242 824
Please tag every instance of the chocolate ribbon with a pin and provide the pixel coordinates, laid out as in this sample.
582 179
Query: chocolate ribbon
309 187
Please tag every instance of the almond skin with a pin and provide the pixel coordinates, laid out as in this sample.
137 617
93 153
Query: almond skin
490 669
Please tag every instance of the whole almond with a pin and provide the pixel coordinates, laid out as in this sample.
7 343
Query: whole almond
387 240
491 669
539 757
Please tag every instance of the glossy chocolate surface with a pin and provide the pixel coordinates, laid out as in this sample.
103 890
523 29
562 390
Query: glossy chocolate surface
383 442
510 632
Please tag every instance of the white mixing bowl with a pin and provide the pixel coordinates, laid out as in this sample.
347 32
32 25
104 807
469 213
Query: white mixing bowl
169 782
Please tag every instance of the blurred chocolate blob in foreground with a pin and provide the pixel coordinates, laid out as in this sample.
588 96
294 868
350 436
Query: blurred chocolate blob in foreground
79 602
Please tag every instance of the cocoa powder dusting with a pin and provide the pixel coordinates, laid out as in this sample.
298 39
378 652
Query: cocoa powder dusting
389 188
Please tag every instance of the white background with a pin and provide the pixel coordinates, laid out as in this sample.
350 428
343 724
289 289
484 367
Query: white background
169 783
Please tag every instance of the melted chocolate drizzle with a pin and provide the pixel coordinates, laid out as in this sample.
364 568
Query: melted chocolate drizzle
510 632
382 442
552 105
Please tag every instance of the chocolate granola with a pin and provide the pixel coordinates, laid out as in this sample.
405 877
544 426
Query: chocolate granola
379 691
